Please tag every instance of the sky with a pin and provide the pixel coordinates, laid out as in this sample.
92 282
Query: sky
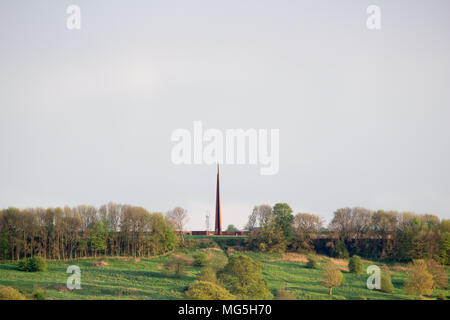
86 116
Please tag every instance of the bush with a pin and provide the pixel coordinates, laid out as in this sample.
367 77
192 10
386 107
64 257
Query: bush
439 274
312 262
441 296
176 265
201 259
38 295
283 294
33 264
204 290
355 265
208 274
243 277
386 282
9 293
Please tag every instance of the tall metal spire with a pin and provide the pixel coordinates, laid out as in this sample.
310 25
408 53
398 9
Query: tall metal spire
218 227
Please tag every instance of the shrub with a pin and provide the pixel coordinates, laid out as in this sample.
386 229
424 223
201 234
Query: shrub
208 274
441 296
439 274
176 265
355 265
201 259
204 290
242 276
38 295
312 262
9 293
386 282
283 294
33 264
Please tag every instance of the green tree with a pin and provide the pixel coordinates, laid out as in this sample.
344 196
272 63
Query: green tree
242 276
355 265
232 228
269 239
98 236
282 217
331 277
444 248
204 290
162 238
419 280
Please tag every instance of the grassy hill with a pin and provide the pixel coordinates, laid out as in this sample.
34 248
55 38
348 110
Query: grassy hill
126 278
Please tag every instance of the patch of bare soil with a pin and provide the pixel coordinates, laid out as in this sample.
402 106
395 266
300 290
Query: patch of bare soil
341 263
398 268
230 250
212 249
294 257
99 264
123 258
61 288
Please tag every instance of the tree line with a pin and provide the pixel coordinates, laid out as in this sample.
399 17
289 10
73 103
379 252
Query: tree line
85 231
125 230
378 234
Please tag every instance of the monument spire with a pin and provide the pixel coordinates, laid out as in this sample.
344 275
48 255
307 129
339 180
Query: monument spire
218 227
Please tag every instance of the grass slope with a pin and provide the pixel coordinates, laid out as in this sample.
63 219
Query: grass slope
303 283
128 279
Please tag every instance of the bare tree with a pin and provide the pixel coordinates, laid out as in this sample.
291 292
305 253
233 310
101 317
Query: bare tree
178 218
351 223
307 223
305 226
260 216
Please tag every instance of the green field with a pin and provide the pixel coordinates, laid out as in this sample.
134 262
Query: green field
126 278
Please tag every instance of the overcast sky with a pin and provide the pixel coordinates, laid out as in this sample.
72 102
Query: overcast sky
86 116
